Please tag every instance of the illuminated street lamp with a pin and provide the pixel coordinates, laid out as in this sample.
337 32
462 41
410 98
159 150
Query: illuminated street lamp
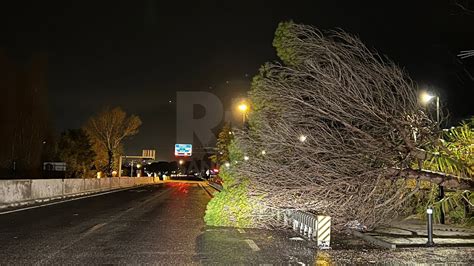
426 98
243 107
181 162
302 138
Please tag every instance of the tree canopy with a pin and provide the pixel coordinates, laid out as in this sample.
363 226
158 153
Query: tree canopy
341 127
75 149
108 129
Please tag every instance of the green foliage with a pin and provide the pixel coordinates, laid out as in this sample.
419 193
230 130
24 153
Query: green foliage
223 141
232 206
455 206
76 150
453 154
282 43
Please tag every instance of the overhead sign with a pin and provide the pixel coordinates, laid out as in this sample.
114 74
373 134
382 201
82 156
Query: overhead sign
183 149
148 154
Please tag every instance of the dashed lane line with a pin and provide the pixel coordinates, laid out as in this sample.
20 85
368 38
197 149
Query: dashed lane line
252 244
97 227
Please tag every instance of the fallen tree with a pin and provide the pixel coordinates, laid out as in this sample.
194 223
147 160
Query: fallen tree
336 129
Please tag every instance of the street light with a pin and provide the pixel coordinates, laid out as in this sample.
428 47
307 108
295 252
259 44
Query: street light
426 98
302 138
181 162
243 108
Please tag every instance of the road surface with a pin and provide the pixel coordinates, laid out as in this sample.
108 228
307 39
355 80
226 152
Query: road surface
163 224
159 224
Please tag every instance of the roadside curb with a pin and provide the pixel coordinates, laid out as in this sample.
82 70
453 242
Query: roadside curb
374 240
207 191
215 186
383 241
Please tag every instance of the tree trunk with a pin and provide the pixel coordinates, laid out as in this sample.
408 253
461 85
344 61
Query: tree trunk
111 162
448 181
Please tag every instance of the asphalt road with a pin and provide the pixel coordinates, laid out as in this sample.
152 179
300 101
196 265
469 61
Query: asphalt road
159 224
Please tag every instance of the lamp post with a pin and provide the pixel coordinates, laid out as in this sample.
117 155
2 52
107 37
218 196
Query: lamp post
426 99
429 213
243 108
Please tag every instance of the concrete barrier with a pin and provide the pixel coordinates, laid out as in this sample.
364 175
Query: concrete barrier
14 191
105 183
91 184
143 180
73 186
46 188
127 181
115 182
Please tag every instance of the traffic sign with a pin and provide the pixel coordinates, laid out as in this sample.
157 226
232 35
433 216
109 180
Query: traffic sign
185 150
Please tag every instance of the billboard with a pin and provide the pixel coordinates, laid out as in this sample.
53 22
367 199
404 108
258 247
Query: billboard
183 149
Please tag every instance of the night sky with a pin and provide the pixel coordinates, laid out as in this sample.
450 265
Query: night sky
138 54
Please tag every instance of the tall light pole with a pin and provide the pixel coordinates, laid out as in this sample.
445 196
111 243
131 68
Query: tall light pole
426 99
243 108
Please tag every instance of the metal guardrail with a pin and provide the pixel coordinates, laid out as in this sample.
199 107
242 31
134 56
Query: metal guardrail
314 227
215 186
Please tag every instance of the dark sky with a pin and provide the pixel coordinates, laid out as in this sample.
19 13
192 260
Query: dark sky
138 54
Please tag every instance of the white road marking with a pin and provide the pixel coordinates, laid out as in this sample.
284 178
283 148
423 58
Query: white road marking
66 200
252 245
93 229
99 226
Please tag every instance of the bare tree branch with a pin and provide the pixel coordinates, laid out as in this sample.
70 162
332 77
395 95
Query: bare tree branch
361 121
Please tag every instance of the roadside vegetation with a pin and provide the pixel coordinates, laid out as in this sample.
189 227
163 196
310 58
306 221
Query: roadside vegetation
337 129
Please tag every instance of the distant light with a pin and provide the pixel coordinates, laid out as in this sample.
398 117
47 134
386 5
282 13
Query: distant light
215 170
181 162
230 132
302 138
264 152
139 165
246 158
227 164
170 101
114 173
425 97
